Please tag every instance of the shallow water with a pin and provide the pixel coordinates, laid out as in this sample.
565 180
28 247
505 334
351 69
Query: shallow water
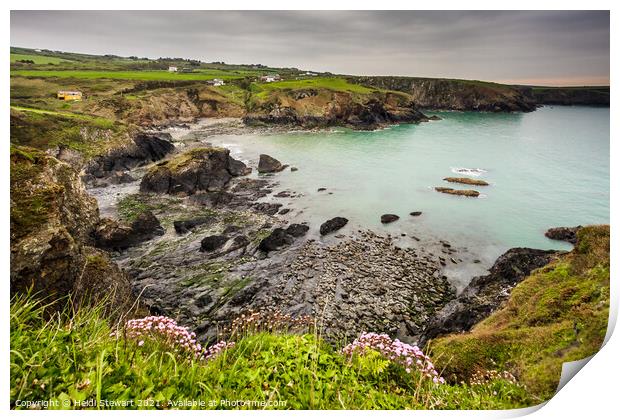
546 168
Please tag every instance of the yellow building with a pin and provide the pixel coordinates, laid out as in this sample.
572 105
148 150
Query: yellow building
69 95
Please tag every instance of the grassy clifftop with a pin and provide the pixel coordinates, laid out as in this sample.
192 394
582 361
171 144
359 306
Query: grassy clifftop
75 357
557 314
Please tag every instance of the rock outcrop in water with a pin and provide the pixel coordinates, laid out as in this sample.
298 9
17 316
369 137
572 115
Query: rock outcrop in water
267 164
389 218
568 234
333 224
468 181
200 169
486 293
52 218
452 191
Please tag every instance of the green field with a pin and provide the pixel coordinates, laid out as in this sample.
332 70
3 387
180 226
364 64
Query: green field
203 74
331 83
101 122
38 59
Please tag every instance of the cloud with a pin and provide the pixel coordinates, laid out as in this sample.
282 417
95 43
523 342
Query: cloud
485 45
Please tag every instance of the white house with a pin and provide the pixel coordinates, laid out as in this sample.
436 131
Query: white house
270 78
218 82
172 69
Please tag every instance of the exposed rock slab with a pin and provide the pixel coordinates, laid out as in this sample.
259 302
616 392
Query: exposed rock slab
468 181
452 191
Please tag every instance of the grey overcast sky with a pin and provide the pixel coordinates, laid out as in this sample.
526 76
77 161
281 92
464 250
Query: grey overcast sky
529 47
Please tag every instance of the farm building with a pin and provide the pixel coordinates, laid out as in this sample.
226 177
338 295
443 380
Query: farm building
69 95
172 69
187 70
270 78
215 82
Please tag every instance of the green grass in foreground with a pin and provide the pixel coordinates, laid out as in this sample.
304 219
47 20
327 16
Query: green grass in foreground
158 75
72 357
38 59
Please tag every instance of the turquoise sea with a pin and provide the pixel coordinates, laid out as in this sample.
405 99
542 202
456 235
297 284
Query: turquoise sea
546 168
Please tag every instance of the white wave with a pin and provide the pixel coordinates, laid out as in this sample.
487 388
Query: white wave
468 171
235 149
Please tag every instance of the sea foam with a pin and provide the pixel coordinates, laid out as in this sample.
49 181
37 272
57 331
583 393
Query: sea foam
468 171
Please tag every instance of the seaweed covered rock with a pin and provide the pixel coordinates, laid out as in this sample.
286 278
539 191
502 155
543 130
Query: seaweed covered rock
52 218
201 169
113 235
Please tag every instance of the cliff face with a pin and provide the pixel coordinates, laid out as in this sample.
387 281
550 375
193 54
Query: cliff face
595 96
471 95
169 105
52 218
458 95
318 108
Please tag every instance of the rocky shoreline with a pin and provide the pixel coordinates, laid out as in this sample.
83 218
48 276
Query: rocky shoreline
226 251
199 243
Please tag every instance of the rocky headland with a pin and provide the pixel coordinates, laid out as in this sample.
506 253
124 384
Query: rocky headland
474 95
314 108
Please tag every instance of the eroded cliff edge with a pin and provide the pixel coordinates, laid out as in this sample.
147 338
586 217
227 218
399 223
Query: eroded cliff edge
474 95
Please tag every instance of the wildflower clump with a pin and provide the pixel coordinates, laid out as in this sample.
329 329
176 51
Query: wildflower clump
481 377
267 321
408 356
165 330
